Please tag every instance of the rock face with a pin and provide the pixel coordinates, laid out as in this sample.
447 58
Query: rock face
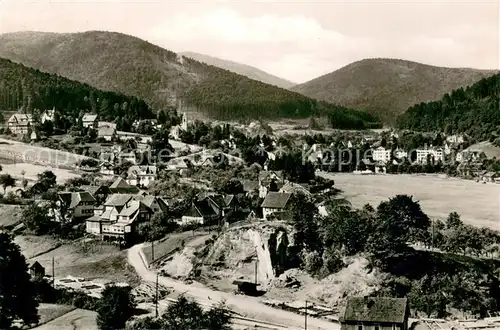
264 245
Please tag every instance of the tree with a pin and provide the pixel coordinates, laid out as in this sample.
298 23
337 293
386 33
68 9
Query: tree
47 179
115 307
160 145
6 180
453 221
17 293
35 218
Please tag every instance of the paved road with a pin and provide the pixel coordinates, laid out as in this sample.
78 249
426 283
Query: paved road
248 307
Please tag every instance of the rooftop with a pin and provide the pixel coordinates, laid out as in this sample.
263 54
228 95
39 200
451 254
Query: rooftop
276 200
376 309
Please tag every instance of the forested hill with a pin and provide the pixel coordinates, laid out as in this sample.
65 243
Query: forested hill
26 88
129 65
387 87
243 69
474 110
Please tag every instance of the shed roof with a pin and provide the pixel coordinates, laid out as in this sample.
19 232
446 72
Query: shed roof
376 309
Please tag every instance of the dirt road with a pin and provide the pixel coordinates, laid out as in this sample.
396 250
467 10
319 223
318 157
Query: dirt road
248 307
79 319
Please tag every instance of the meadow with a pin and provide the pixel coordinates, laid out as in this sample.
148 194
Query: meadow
478 204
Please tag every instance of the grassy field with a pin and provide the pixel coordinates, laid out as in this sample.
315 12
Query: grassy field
9 215
170 244
78 319
91 260
49 312
478 204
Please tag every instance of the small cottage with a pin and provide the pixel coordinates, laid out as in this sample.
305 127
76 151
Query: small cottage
37 270
275 202
375 313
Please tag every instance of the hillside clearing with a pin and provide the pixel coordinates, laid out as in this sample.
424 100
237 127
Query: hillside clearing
78 319
91 259
477 204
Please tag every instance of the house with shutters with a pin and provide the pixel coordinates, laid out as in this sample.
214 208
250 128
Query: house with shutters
141 175
20 123
375 313
90 120
74 206
120 216
208 208
275 203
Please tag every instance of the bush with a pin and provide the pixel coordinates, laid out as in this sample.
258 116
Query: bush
312 262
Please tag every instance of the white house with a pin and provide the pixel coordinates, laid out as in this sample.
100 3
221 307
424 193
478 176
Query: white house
275 203
76 205
90 121
436 153
20 123
266 178
455 138
175 132
106 132
381 154
48 115
141 175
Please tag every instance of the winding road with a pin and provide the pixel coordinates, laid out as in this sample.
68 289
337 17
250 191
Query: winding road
247 307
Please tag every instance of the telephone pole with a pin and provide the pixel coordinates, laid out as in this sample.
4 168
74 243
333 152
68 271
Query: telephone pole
305 317
53 274
256 267
156 296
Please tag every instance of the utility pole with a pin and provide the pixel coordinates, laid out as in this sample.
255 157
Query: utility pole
305 317
156 296
256 267
53 274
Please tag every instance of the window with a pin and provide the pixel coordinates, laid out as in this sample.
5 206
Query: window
395 327
377 327
359 327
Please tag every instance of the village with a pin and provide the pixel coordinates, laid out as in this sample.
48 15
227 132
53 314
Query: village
211 180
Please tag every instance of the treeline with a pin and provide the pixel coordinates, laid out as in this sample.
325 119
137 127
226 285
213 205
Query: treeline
473 111
25 88
227 96
436 282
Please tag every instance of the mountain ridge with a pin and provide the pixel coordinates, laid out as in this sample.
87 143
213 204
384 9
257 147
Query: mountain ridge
123 63
241 68
386 87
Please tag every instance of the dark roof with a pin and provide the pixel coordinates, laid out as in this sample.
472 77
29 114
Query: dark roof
37 266
276 200
95 189
376 309
120 183
201 209
267 176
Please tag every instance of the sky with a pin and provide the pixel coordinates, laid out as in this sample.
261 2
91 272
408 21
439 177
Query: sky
295 40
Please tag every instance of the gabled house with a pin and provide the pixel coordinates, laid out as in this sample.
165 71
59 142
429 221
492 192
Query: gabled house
142 175
74 206
200 212
156 204
99 192
375 313
90 121
106 132
37 271
20 123
250 186
275 202
120 214
120 186
268 177
48 115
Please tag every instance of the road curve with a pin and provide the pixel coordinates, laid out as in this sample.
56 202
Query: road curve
247 307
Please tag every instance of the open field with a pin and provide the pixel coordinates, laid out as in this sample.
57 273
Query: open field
170 244
478 204
91 260
78 319
32 170
49 312
28 153
9 215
